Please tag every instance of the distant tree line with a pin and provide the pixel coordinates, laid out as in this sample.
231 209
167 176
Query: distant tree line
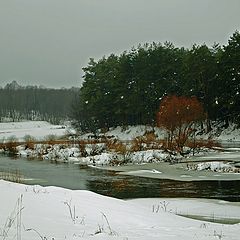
35 103
127 89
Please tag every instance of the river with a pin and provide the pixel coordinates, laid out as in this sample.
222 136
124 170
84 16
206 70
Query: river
110 183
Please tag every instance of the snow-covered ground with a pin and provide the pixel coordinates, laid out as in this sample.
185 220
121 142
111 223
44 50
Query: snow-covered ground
231 134
128 132
36 129
41 129
34 212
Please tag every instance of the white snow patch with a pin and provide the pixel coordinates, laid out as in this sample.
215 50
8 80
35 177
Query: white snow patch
129 132
57 213
213 166
36 129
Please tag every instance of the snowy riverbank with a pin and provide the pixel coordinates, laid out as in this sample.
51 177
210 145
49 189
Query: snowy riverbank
41 129
34 212
147 160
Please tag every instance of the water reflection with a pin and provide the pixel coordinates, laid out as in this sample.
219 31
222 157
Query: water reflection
139 187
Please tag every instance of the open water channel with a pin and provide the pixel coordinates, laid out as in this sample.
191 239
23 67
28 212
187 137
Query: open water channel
110 183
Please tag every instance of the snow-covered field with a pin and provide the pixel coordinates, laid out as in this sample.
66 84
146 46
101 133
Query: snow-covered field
36 129
34 212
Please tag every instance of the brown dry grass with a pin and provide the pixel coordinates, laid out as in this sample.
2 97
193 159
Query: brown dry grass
201 143
11 146
116 146
147 141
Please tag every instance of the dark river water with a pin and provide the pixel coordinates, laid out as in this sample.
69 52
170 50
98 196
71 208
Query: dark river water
109 183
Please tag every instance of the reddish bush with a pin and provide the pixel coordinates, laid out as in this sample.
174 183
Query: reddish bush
178 115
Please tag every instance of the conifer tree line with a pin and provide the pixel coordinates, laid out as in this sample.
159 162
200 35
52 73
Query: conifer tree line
127 89
35 103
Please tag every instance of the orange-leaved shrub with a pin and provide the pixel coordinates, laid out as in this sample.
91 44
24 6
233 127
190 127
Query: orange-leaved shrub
178 114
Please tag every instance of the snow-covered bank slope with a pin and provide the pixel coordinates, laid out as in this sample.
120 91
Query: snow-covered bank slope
211 208
36 129
232 133
56 213
128 132
41 129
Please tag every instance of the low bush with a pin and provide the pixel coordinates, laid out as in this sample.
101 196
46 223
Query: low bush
201 143
137 144
11 145
29 142
145 142
51 139
82 148
116 146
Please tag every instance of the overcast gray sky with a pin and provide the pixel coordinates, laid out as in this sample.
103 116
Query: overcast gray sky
47 42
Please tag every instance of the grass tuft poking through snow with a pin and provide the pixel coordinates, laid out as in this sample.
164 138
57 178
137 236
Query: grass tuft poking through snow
44 213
